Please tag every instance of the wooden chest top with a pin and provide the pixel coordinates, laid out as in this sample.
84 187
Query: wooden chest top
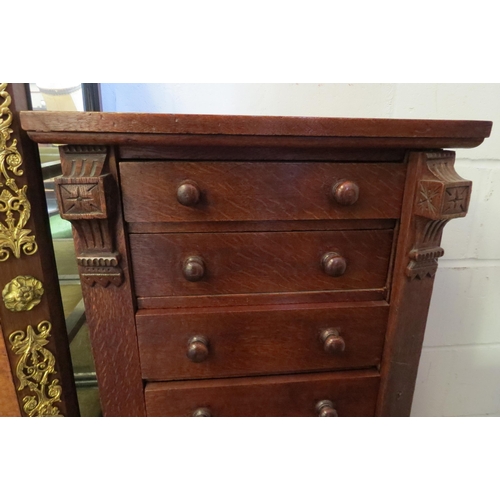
251 265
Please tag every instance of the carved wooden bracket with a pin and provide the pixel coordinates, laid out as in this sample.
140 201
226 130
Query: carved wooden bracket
83 192
441 195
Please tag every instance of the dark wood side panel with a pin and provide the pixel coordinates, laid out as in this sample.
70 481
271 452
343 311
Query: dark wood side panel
253 191
242 341
258 262
33 324
102 255
353 394
434 195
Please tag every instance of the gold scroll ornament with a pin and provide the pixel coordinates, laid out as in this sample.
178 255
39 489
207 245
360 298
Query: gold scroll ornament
14 203
35 368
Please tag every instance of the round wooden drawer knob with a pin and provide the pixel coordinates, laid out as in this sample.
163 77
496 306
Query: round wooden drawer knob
193 268
188 193
333 343
325 408
202 412
197 350
333 264
345 192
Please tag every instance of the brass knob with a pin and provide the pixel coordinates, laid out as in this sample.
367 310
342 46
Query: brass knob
345 192
333 343
202 412
188 193
197 350
333 264
193 268
326 408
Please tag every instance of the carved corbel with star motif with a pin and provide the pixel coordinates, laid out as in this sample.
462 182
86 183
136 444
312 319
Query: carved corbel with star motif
83 192
441 195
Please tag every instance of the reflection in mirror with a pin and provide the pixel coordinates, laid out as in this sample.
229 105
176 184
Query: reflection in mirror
68 97
57 96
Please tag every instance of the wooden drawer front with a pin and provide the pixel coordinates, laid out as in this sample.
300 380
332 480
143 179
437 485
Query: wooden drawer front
258 262
353 394
260 340
232 191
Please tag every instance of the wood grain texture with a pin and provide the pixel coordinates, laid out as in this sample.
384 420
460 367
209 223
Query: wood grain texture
259 226
258 262
110 315
251 125
240 191
250 147
423 218
353 393
235 299
258 219
260 340
86 198
255 149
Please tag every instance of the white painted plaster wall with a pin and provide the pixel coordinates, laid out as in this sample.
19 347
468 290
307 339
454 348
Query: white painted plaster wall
459 373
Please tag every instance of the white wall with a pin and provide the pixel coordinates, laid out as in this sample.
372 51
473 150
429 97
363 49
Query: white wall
459 373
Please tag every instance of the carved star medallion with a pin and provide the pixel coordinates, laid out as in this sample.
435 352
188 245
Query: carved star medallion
427 198
456 200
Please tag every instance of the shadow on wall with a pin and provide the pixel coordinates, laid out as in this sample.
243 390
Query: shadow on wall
458 381
459 368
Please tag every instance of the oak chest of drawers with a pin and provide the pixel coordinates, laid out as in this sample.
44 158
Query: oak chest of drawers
256 266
